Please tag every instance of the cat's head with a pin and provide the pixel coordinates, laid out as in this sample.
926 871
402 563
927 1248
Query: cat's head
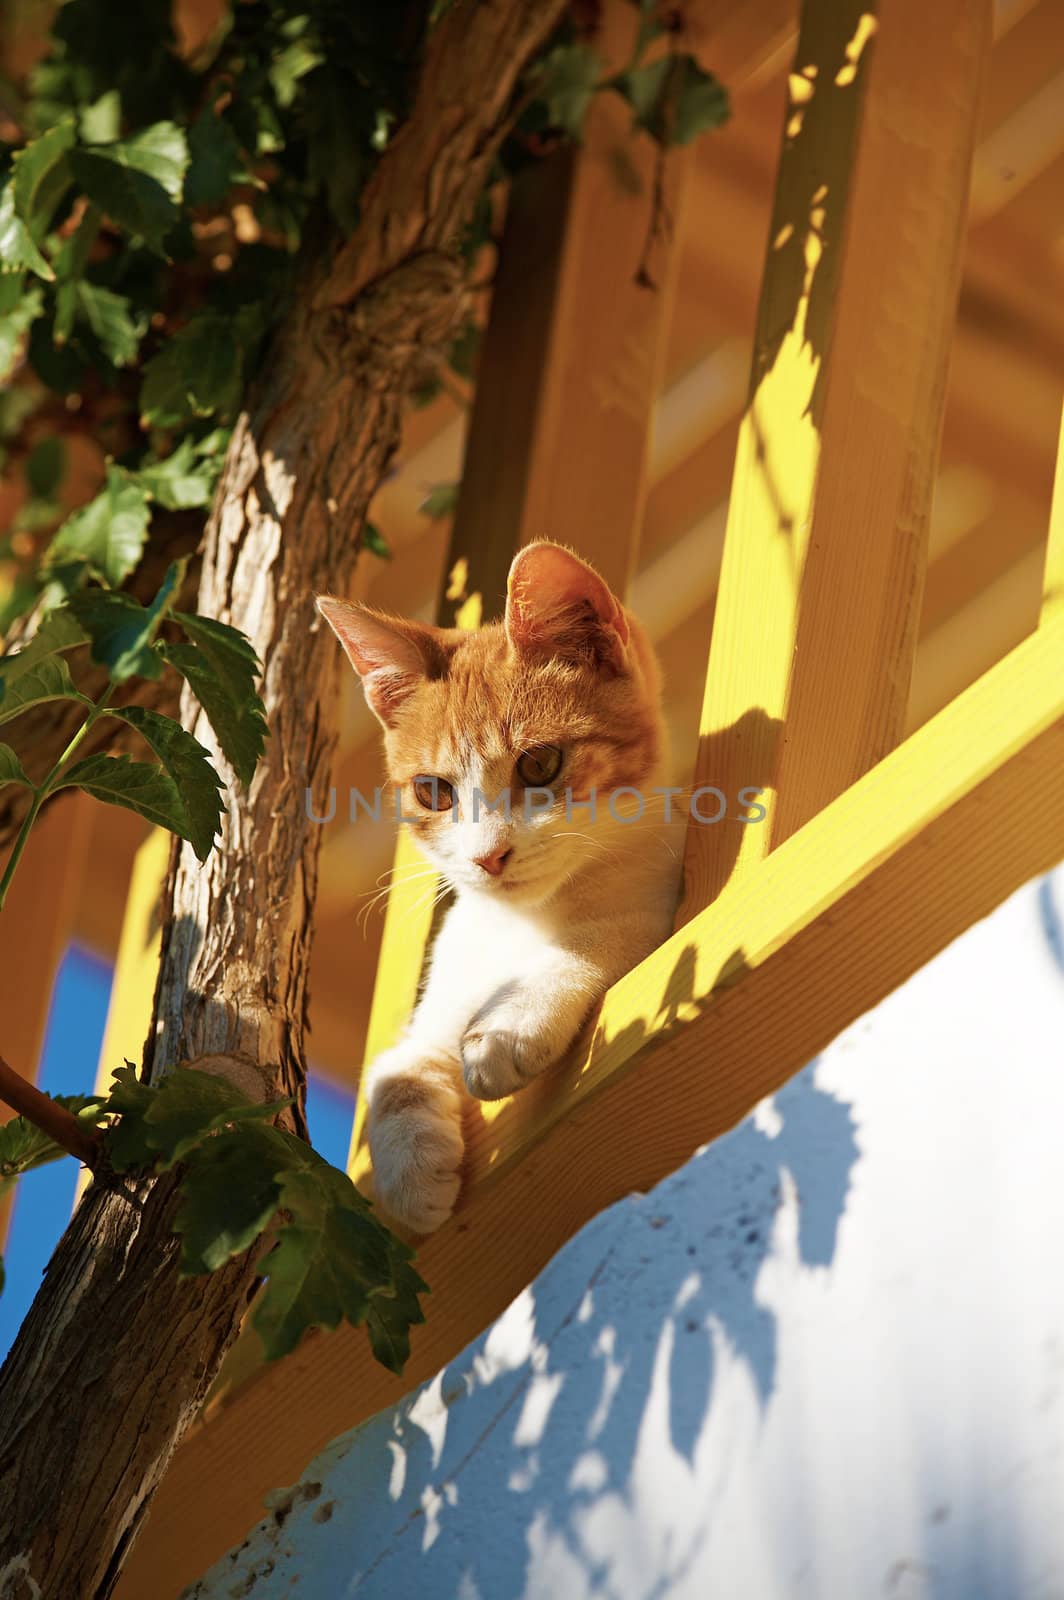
558 701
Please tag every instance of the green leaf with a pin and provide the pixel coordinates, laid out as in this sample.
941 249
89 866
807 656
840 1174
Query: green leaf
47 680
41 176
215 163
673 99
24 1146
140 786
569 76
11 769
129 1098
329 1260
643 88
221 668
59 631
137 181
110 532
111 317
463 352
121 630
440 501
101 122
45 466
17 249
189 1105
164 1123
185 479
701 102
228 1197
71 258
198 373
188 764
374 541
15 324
391 1316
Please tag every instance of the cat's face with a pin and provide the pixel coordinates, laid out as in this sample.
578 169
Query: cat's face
497 740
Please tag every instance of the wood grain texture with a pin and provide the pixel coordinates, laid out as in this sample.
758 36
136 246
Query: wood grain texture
930 840
822 575
1053 582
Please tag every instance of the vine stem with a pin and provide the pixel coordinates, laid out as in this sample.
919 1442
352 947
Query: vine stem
43 790
54 1120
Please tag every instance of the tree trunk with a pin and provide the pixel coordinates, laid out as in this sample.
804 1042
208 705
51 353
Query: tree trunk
118 1352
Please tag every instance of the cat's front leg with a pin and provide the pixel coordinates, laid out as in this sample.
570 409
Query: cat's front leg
414 1126
526 1027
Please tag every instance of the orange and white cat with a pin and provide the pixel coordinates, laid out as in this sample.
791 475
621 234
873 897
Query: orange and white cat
508 747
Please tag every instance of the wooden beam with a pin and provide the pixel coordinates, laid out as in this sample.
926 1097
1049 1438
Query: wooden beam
1053 583
572 358
35 928
922 846
823 566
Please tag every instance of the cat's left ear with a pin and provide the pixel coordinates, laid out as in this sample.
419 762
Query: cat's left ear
557 605
390 654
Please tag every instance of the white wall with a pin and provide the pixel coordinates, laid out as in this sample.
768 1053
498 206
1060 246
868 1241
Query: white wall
823 1360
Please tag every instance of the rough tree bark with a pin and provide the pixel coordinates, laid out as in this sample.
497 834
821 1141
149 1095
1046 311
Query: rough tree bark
118 1352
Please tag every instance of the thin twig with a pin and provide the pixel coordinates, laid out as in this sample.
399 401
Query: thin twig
53 1119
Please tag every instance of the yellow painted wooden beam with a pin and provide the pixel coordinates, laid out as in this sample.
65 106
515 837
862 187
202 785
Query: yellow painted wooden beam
926 843
35 927
1053 584
136 966
819 597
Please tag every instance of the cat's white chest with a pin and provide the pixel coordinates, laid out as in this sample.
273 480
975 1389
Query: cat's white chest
482 947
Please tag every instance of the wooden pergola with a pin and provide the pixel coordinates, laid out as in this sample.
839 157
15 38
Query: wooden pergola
843 481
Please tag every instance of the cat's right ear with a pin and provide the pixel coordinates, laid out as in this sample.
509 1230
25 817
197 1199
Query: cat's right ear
391 655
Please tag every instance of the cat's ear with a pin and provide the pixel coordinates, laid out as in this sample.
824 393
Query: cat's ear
391 655
557 605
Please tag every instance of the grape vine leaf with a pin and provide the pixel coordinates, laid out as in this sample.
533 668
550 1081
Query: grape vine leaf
221 667
17 249
41 176
197 373
188 764
110 532
49 679
11 769
59 631
137 182
121 630
140 786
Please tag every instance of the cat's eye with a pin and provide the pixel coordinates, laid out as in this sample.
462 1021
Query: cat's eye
435 794
539 766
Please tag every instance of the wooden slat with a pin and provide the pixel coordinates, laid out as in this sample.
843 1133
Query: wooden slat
1053 583
35 928
923 845
823 566
136 966
573 354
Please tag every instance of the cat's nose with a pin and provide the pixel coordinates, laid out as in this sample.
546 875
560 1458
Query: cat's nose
494 863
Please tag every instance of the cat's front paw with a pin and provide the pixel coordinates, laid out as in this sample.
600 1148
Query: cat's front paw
497 1062
414 1125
